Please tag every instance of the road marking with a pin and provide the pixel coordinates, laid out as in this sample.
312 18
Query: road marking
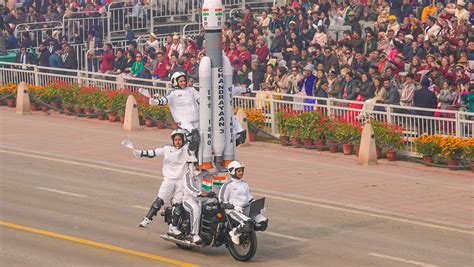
259 192
60 192
285 236
97 244
140 207
422 264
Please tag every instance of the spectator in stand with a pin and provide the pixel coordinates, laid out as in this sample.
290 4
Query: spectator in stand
107 59
11 42
25 57
70 58
129 34
55 61
120 63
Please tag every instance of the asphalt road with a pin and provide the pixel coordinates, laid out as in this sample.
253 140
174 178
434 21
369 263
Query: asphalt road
81 214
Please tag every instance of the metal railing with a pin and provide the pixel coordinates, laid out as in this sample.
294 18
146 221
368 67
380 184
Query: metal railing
37 31
414 121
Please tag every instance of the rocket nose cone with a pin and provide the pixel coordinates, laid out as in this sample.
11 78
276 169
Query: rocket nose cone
212 15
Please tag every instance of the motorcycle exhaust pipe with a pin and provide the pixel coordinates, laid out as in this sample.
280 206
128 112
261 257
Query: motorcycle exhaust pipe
179 241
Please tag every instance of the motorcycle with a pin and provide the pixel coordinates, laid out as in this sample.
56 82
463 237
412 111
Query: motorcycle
214 230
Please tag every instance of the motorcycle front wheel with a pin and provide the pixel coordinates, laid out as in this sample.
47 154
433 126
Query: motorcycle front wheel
184 247
246 249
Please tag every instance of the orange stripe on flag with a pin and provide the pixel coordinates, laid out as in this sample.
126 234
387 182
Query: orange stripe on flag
218 9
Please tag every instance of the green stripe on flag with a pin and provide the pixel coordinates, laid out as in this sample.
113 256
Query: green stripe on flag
218 13
218 183
205 14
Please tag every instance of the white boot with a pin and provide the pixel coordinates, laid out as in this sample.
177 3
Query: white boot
197 239
192 158
235 236
145 223
173 230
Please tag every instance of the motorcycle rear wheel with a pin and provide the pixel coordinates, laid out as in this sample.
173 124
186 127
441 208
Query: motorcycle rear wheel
247 248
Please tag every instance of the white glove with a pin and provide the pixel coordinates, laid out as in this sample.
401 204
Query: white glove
144 92
128 144
137 153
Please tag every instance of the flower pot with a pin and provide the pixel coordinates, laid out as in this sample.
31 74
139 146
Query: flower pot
347 149
68 111
378 150
101 116
44 108
78 110
308 143
174 125
391 155
160 124
356 150
452 164
2 102
55 104
33 106
284 140
252 136
319 144
428 160
89 112
295 142
122 119
112 116
148 122
332 147
11 103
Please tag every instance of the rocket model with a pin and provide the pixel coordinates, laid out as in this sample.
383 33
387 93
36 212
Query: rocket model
215 78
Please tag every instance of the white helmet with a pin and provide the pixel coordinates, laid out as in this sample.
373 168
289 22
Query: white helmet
233 166
176 76
181 132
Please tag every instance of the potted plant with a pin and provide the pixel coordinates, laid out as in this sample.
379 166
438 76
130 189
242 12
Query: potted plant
162 115
255 122
330 135
468 147
282 124
452 150
150 114
428 146
319 124
393 140
345 133
101 99
87 100
116 105
294 128
8 92
308 129
379 131
69 97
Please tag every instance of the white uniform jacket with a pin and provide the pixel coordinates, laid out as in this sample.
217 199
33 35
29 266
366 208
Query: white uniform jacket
237 193
184 106
174 162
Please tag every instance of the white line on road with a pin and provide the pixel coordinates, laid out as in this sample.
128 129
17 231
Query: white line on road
266 232
60 192
258 192
422 264
285 236
140 207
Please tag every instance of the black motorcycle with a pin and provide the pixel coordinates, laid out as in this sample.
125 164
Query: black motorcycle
214 231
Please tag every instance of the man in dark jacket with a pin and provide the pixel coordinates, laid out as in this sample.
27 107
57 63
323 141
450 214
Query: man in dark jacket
43 57
278 43
145 74
69 58
55 61
24 57
330 61
424 98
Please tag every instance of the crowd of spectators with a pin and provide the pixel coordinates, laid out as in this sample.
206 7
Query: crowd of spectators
403 52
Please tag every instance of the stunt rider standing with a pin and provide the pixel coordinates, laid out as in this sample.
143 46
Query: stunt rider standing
235 195
174 167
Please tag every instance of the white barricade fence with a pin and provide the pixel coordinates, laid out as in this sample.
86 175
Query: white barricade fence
37 31
77 29
414 121
119 15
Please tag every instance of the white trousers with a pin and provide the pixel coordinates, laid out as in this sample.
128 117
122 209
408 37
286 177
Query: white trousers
193 206
171 190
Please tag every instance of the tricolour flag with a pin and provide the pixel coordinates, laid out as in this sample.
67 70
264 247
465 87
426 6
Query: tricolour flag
205 12
207 183
218 11
219 180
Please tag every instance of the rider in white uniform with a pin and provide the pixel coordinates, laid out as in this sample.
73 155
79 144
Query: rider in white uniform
235 195
174 168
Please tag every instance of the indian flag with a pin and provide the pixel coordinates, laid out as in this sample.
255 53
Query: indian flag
218 11
207 183
219 180
205 12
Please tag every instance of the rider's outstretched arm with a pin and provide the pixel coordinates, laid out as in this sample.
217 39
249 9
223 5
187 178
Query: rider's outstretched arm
151 153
